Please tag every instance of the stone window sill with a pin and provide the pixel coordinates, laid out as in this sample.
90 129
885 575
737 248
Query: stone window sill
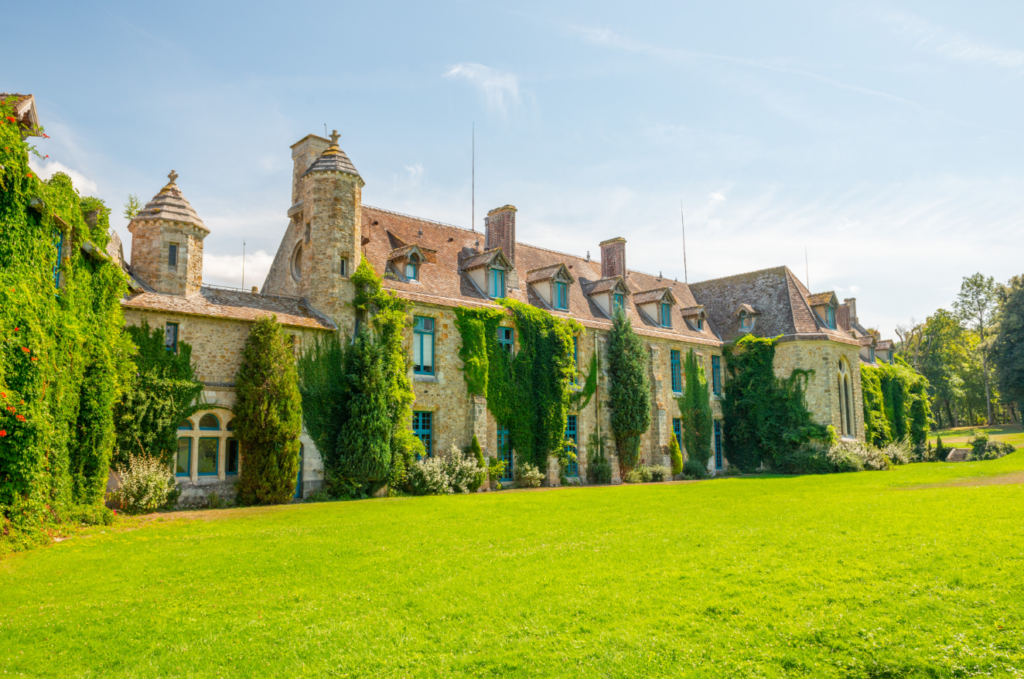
425 378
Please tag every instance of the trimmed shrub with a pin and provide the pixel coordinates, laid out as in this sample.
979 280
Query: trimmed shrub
692 469
147 484
629 395
676 456
268 417
528 476
984 449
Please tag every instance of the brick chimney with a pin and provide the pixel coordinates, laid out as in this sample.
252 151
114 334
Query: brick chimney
851 304
613 258
500 229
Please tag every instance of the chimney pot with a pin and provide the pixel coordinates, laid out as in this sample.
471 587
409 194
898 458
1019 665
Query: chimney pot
613 258
255 290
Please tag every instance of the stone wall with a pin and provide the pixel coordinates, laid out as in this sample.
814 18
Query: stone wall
151 242
823 358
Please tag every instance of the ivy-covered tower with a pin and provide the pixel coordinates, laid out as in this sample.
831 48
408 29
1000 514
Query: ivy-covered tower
167 243
322 245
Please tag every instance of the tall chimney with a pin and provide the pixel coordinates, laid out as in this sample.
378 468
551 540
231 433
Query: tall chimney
500 229
851 304
613 258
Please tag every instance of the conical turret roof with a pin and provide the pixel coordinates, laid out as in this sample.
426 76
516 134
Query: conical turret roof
333 160
170 205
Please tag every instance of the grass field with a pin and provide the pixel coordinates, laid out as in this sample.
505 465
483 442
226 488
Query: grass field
913 572
961 435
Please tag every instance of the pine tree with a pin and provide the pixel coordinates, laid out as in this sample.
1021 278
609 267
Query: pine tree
630 390
676 455
268 416
695 411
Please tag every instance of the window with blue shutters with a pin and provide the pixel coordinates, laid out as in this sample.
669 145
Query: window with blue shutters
507 339
497 283
620 303
573 468
716 375
561 296
832 317
718 444
505 452
423 428
183 460
423 346
677 371
700 324
412 268
677 430
666 315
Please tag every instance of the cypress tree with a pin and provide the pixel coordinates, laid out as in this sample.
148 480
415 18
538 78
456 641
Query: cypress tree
268 416
695 411
629 395
676 455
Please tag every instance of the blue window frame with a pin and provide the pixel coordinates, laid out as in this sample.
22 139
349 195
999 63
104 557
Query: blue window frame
423 428
700 324
716 375
677 371
298 477
871 354
831 317
60 254
209 422
561 296
232 457
505 452
412 268
171 337
677 430
666 315
172 256
497 283
620 302
745 320
185 425
576 352
209 454
573 468
183 460
423 346
507 339
718 444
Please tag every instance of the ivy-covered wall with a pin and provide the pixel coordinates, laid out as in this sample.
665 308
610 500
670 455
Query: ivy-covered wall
895 404
63 355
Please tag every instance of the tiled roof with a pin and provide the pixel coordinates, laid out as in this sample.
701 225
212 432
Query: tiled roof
544 273
691 311
648 296
444 283
820 298
475 261
170 205
232 304
604 285
843 317
884 344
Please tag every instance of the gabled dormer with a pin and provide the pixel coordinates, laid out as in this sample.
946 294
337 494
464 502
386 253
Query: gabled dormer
489 272
405 262
746 315
696 317
824 305
551 284
657 305
608 293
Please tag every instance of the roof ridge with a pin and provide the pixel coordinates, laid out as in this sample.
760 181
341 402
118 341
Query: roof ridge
737 275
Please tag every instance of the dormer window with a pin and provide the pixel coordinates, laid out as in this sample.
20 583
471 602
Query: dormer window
746 322
620 302
561 296
666 315
700 324
497 283
831 315
412 268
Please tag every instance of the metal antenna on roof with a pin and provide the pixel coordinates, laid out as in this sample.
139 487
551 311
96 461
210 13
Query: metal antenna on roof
325 129
472 217
243 265
686 275
807 269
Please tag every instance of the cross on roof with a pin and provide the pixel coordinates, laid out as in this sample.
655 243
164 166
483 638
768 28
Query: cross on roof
334 137
172 176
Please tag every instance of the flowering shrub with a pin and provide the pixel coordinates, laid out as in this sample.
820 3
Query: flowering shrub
450 473
528 476
659 472
147 484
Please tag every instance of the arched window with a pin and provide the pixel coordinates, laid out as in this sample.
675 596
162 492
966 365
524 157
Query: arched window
231 424
209 422
185 424
297 264
845 400
412 268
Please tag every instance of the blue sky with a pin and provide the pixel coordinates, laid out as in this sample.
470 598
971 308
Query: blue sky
884 137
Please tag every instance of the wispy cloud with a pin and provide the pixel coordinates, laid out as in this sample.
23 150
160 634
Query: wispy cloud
47 168
501 90
227 269
950 44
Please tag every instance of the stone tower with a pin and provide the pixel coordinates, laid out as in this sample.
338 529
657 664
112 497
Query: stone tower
322 246
167 243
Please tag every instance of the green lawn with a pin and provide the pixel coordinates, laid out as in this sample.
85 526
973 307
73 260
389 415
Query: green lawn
1011 433
917 571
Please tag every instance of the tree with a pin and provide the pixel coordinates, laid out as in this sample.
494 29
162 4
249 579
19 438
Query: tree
944 360
695 411
976 307
268 416
1008 348
630 390
676 455
163 392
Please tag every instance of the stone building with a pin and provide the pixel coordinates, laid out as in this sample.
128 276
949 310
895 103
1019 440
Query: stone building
438 268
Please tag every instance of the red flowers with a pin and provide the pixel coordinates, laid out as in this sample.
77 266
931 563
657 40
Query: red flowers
11 408
26 350
3 394
20 418
3 432
12 119
35 358
16 329
29 175
45 136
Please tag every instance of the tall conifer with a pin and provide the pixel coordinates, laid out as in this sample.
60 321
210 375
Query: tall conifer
630 390
695 411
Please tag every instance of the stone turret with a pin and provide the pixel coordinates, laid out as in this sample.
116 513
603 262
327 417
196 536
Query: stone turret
167 243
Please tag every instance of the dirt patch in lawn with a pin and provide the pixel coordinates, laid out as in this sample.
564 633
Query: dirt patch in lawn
1001 480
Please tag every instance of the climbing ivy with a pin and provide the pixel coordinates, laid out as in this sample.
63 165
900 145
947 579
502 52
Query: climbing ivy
63 357
695 412
766 418
895 404
530 391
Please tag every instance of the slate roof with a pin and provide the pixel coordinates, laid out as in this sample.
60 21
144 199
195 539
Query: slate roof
232 304
170 205
332 160
781 301
444 283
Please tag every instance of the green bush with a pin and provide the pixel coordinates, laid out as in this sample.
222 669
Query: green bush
406 448
91 515
984 449
527 475
495 471
695 411
477 453
147 484
268 416
639 474
660 472
811 458
629 395
599 468
676 456
692 469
